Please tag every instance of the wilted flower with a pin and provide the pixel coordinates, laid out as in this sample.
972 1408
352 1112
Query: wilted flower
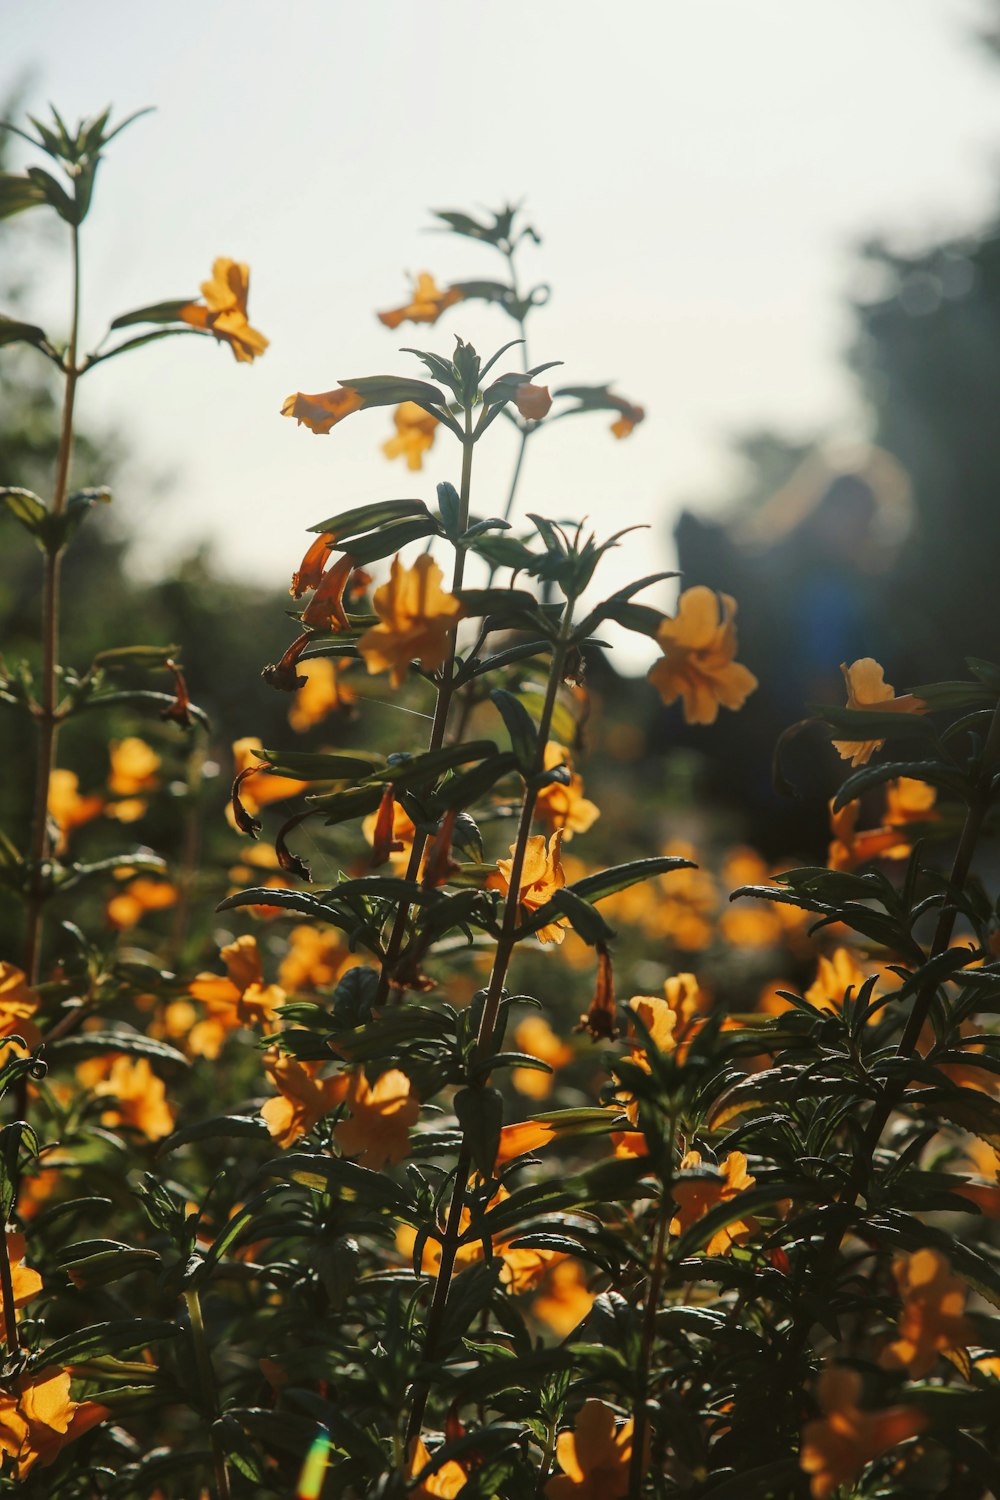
325 610
224 312
594 1457
697 665
601 1019
933 1318
416 620
542 875
868 689
838 1445
564 806
303 1096
533 401
260 790
377 1130
427 302
415 433
694 1196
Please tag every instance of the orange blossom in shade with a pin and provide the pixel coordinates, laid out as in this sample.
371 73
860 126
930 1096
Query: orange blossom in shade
695 1196
25 1283
38 1418
315 960
67 808
134 767
697 664
325 610
237 998
415 432
522 1269
443 1484
518 1140
594 1457
564 806
390 841
542 875
310 569
868 689
535 1037
224 312
427 302
18 1004
932 1319
416 620
128 907
323 411
303 1097
533 401
837 1446
136 1097
850 847
377 1130
564 1298
323 692
834 977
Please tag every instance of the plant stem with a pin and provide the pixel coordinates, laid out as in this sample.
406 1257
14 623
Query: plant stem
7 1291
208 1389
487 1024
654 1286
47 710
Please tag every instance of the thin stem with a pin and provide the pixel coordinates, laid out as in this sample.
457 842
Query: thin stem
487 1025
208 1389
654 1286
47 715
7 1291
525 433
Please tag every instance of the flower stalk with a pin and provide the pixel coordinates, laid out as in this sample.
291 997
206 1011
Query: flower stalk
209 1391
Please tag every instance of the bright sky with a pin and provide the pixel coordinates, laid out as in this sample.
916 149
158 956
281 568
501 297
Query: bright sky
700 171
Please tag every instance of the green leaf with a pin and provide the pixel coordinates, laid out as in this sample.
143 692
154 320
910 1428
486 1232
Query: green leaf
520 726
307 765
18 193
620 877
336 1173
860 724
118 1336
93 1263
339 807
219 1127
510 605
27 508
412 770
132 1043
14 331
287 900
466 788
147 657
157 312
389 539
392 390
585 920
935 773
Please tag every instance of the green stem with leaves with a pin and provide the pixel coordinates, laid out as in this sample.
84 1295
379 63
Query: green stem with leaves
11 1336
654 1287
209 1392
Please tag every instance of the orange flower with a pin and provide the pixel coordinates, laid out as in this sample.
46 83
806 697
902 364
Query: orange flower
134 767
850 848
868 689
324 692
427 303
416 620
533 401
138 1098
18 1003
67 809
699 645
601 1019
259 791
694 1198
668 1020
378 1130
390 842
565 1298
25 1283
315 960
522 1269
542 875
594 1457
325 610
834 977
38 1418
141 895
443 1484
238 998
415 433
630 417
303 1097
518 1140
932 1319
310 570
838 1445
564 807
323 411
225 311
535 1037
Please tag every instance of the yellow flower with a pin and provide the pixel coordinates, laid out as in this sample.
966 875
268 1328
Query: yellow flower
25 1283
315 960
694 1197
838 1445
522 1269
225 311
868 689
932 1319
630 418
138 1098
564 807
134 767
697 665
67 809
415 432
427 302
323 411
303 1097
38 1418
565 1299
238 998
141 895
535 1037
542 875
594 1457
416 621
834 976
378 1129
443 1484
18 1004
533 401
391 832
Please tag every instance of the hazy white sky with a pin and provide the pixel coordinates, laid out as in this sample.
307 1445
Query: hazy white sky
700 171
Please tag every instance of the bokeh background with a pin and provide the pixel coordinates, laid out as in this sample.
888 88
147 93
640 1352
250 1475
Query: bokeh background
773 225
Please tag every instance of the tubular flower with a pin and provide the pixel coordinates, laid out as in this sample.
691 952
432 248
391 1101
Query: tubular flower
542 875
594 1457
415 433
239 998
224 312
322 412
38 1418
303 1097
134 767
601 1019
838 1445
932 1319
697 665
565 1299
518 1140
310 570
427 302
533 401
850 848
67 809
868 689
128 907
377 1131
694 1198
416 620
323 692
535 1037
630 418
393 842
443 1484
137 1098
564 806
325 610
18 1004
